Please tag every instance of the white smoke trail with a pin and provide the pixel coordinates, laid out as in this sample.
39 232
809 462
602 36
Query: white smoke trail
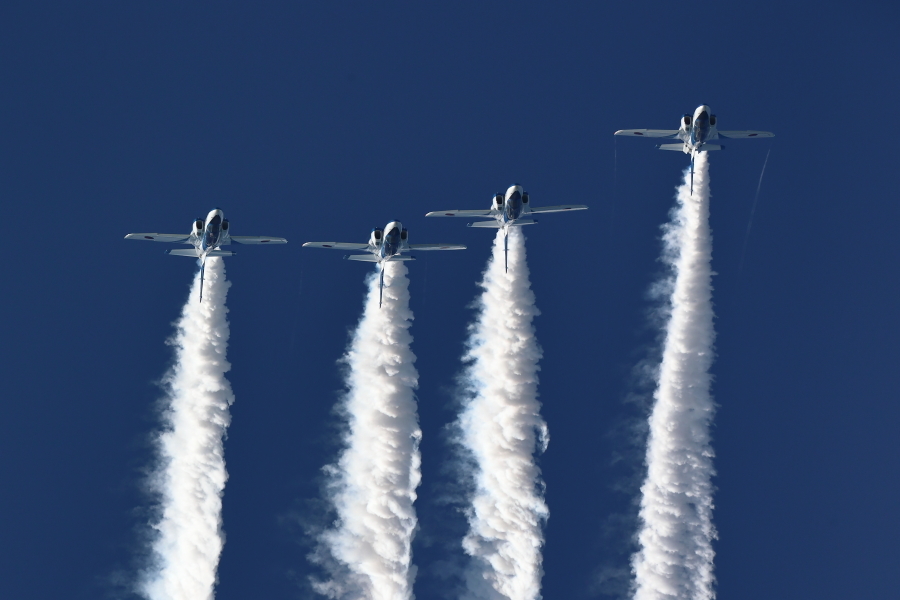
499 428
191 474
373 485
675 560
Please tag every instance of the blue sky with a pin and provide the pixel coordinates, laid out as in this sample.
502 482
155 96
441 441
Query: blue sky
322 121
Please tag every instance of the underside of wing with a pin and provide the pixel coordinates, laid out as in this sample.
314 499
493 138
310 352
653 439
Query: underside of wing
362 257
193 252
172 238
336 245
436 247
738 135
461 213
653 133
256 239
487 224
562 208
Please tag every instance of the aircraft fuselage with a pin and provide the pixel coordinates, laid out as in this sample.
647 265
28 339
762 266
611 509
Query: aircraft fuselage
701 129
211 233
697 130
511 205
390 241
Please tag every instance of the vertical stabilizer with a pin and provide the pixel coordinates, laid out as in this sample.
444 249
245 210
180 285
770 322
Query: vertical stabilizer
202 273
506 250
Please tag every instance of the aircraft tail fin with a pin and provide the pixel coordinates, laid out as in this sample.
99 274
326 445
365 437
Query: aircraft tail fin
506 251
202 274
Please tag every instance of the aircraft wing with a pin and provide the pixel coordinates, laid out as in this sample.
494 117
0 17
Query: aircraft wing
461 213
737 135
561 208
652 133
174 238
256 239
436 247
336 245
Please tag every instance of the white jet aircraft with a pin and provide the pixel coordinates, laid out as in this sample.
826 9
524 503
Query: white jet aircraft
507 211
697 134
384 246
206 237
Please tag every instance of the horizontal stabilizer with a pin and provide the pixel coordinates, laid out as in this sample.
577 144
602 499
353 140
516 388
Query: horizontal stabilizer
653 133
679 147
711 147
396 258
256 239
173 238
362 257
518 222
488 224
461 213
336 245
743 135
193 253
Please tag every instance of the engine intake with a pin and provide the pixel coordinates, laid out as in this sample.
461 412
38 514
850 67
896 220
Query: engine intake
225 225
712 119
199 224
525 198
686 119
404 234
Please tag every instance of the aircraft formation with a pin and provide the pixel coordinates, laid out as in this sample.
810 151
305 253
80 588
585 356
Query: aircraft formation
208 235
696 133
505 400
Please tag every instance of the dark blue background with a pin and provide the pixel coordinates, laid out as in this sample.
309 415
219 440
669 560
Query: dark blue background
319 121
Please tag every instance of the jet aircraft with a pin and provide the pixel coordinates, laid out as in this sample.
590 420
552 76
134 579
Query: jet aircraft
207 237
507 210
384 246
697 134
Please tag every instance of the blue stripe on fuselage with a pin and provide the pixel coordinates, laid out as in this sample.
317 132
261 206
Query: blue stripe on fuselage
391 242
700 130
514 206
213 230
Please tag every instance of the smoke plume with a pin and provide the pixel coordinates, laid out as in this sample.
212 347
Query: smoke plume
499 430
372 487
190 475
675 560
